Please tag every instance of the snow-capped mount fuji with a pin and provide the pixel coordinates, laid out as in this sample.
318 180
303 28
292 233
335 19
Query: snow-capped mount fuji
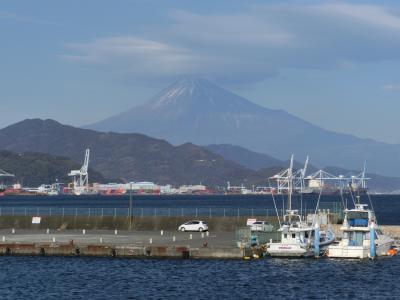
196 110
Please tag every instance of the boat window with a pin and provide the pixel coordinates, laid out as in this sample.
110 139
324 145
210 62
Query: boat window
293 235
357 215
306 235
358 239
285 235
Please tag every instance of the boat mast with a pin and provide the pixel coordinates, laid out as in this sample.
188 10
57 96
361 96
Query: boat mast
290 171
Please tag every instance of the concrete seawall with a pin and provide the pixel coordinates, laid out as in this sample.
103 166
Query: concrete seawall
111 237
120 223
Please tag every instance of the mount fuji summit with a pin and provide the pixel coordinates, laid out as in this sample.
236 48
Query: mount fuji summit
198 111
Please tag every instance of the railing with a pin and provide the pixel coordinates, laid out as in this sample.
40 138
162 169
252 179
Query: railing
148 211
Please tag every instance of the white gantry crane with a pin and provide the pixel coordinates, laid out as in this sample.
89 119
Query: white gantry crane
292 177
5 174
284 179
81 177
2 175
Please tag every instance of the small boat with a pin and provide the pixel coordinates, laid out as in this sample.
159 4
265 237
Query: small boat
361 235
298 237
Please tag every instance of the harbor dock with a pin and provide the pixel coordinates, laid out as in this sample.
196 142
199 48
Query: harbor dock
116 243
131 243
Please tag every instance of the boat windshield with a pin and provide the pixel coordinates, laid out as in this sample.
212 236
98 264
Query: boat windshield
292 218
357 215
357 218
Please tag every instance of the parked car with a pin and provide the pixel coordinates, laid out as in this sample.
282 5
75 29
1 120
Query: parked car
194 225
261 226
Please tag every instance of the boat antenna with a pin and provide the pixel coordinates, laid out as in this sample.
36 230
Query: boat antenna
290 171
273 199
351 194
317 206
303 184
341 191
366 191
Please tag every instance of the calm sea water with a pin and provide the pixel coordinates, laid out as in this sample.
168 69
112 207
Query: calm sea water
387 207
104 278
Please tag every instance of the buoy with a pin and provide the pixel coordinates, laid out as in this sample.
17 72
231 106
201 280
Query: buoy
246 257
255 256
392 252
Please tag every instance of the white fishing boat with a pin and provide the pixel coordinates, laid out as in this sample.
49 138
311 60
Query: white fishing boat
361 236
298 237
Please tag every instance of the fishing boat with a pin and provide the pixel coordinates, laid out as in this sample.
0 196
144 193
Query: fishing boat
298 237
361 235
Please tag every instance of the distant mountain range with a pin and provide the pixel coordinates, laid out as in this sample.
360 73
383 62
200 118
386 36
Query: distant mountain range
127 156
33 169
197 111
45 150
245 157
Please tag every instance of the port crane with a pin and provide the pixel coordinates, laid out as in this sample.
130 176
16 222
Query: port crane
318 180
5 174
289 176
2 175
81 177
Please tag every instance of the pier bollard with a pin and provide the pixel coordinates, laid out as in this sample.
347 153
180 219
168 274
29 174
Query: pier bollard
83 231
47 231
13 231
173 238
207 233
162 232
4 238
115 231
151 241
202 235
54 239
101 240
190 237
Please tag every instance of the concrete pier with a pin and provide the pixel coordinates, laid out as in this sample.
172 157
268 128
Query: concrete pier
125 244
110 237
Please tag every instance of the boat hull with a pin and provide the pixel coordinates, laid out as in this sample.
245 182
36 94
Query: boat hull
339 251
288 250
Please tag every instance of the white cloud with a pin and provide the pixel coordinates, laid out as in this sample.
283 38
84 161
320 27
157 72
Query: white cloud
368 14
250 46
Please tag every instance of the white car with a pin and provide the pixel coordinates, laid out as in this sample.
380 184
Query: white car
261 226
194 225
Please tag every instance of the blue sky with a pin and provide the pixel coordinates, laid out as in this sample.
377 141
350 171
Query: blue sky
333 63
